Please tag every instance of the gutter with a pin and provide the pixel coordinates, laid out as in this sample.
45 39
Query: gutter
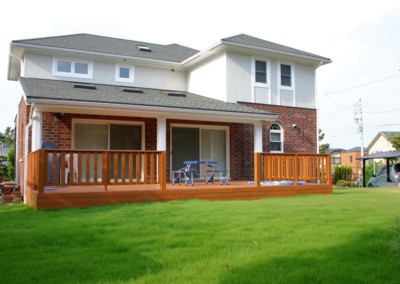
27 127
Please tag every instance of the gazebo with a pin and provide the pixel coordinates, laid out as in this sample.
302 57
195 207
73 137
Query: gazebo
380 155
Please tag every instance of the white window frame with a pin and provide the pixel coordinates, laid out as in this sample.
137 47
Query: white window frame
131 78
258 84
253 72
89 75
292 79
108 123
276 131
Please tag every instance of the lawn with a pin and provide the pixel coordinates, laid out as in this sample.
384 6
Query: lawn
346 237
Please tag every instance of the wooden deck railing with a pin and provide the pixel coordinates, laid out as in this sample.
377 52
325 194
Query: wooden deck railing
292 167
53 167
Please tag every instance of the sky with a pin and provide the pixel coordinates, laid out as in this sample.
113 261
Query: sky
361 37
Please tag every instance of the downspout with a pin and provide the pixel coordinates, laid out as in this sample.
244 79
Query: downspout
27 128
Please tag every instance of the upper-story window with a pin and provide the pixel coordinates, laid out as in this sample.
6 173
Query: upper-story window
286 75
276 138
124 73
72 68
260 71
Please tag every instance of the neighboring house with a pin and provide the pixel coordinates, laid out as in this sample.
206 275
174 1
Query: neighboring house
239 96
335 156
381 142
351 158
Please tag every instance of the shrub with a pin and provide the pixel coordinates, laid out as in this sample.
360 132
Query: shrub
343 173
346 183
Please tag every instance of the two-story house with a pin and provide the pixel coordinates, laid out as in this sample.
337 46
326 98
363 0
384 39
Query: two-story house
239 96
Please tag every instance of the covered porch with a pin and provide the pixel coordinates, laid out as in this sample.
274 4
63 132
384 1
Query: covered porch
81 178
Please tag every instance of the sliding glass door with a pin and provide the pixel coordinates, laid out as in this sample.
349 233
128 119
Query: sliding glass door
199 143
106 136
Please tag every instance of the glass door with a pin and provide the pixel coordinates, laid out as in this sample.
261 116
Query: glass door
185 146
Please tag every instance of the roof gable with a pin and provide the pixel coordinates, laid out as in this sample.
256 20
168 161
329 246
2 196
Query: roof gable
250 41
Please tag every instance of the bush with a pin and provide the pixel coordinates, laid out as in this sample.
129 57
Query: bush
343 173
346 183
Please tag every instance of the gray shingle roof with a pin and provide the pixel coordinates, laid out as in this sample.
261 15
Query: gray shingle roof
256 42
110 94
114 46
389 134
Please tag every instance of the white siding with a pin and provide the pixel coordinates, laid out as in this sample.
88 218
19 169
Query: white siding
239 78
305 92
209 79
381 145
39 66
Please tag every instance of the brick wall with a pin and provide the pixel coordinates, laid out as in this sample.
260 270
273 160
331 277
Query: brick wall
23 119
352 159
302 139
57 128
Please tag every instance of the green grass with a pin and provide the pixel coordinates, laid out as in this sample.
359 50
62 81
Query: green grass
346 237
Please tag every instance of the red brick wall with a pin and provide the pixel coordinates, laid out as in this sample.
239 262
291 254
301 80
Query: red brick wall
23 119
303 139
57 128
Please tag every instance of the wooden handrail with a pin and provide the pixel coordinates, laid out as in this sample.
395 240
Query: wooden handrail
292 167
56 167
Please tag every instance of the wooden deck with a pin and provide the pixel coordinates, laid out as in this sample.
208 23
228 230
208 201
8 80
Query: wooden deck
82 178
87 196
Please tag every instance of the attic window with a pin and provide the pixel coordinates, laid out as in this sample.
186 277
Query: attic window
144 48
84 86
177 95
127 90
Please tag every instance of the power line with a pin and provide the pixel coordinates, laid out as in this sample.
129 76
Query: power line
362 85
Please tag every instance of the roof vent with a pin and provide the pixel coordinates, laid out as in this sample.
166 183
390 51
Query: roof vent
127 90
85 86
144 48
177 95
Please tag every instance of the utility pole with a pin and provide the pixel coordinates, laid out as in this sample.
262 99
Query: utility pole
358 120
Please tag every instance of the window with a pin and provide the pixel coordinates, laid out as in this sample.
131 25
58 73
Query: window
351 159
286 75
261 71
335 160
124 73
70 68
276 138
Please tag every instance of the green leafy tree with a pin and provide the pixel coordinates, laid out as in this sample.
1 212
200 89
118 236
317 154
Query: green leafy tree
11 164
325 146
395 140
8 137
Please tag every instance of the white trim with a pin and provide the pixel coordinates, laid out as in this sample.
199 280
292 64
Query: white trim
57 73
36 140
108 123
282 137
258 147
255 84
131 78
161 134
291 88
200 127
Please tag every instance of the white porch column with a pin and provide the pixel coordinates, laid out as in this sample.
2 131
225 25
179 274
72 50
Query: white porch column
258 137
161 134
36 130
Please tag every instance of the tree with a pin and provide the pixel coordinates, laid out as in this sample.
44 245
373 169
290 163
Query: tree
395 140
325 146
8 137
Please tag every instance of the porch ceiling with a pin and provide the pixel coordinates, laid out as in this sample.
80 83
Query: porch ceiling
73 97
